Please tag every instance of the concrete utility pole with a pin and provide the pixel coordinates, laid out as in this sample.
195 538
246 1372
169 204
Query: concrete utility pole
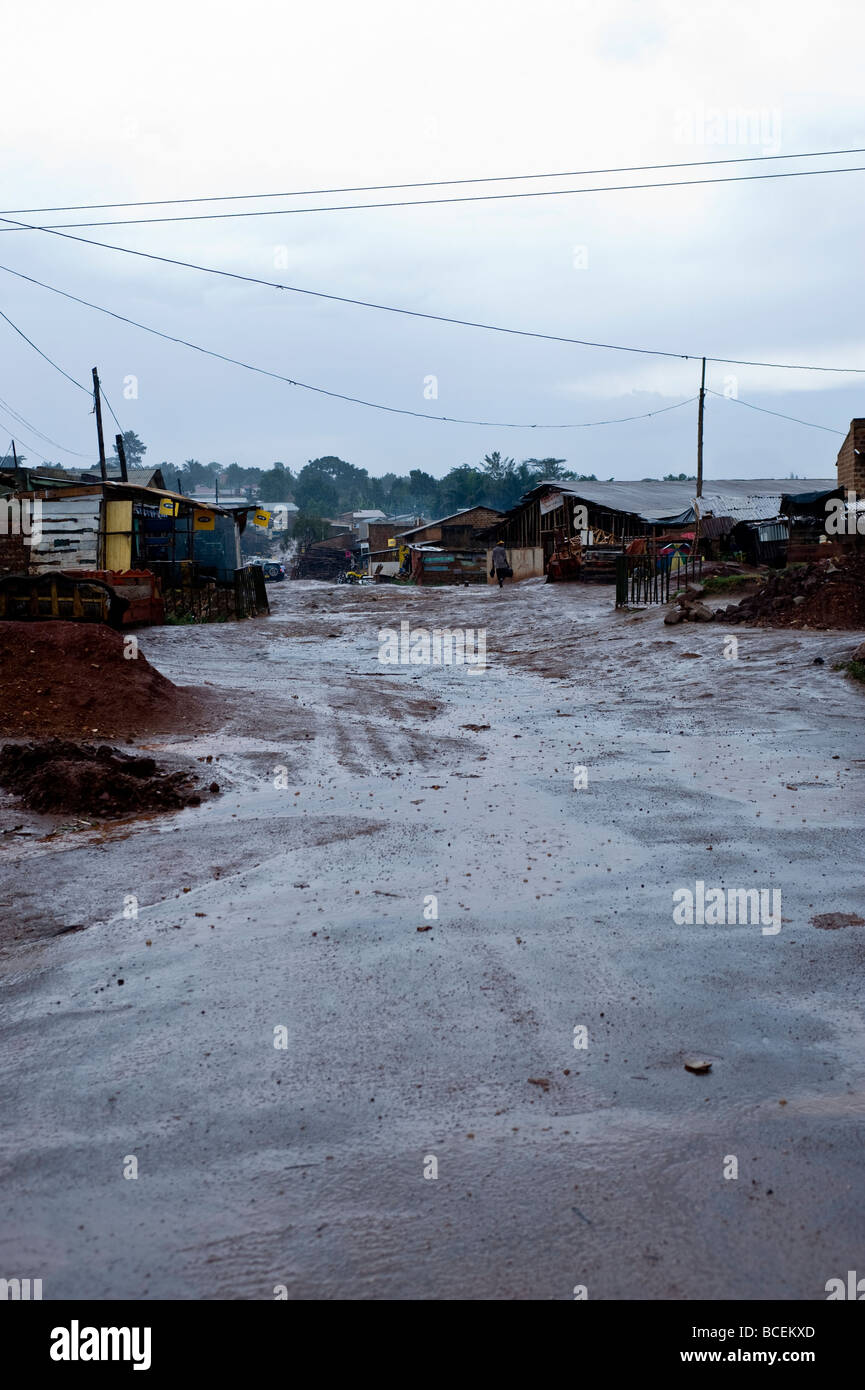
97 403
700 432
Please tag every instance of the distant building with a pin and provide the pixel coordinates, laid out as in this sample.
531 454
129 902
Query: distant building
746 515
447 551
851 459
207 497
459 529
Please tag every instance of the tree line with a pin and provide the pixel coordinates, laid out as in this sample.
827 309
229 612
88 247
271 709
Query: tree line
328 486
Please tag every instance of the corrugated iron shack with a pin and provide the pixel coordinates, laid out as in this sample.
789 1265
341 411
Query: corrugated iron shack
137 537
603 519
451 550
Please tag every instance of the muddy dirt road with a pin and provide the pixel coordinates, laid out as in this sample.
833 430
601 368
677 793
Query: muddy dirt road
283 1052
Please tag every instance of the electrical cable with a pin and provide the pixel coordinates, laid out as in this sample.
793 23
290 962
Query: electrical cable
432 183
765 411
435 318
42 354
436 202
28 424
338 395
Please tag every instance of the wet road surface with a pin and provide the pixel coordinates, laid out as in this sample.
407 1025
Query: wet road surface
287 1053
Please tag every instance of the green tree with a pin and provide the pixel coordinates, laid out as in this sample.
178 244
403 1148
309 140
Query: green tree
171 475
308 528
133 448
464 487
197 474
548 468
276 484
498 468
315 491
352 484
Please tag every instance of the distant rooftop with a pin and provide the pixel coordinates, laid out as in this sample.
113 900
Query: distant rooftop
655 500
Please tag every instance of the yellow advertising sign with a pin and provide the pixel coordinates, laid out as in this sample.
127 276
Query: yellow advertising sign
261 518
204 521
167 507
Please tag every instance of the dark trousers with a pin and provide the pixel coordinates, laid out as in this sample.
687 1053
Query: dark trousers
500 576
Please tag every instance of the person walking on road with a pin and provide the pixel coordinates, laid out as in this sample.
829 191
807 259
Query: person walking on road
500 567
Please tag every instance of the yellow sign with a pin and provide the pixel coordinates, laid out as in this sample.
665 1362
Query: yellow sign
204 521
167 507
261 519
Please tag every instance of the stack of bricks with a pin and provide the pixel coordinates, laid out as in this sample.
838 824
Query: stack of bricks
851 459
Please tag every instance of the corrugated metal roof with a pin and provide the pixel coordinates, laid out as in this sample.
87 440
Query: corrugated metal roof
478 507
711 527
753 507
744 499
114 485
142 477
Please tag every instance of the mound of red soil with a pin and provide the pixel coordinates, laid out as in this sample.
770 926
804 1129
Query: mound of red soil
58 776
828 594
73 679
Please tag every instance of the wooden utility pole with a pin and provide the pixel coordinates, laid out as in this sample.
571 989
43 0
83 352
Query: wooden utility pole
15 455
121 457
700 432
97 403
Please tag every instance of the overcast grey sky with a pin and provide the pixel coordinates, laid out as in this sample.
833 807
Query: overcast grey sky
110 102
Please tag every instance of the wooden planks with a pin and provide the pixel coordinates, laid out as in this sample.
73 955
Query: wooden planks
70 534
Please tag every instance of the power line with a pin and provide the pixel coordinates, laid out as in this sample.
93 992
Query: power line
15 438
28 424
48 359
59 369
777 413
435 202
110 407
338 395
435 318
498 424
433 183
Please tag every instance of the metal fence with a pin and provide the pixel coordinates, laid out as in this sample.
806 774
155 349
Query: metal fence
196 598
646 579
250 594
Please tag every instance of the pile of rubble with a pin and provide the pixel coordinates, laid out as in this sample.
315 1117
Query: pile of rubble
689 608
825 594
61 776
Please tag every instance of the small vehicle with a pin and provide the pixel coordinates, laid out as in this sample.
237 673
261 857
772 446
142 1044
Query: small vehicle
273 570
352 577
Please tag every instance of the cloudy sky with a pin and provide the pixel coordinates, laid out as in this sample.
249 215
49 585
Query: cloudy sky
115 103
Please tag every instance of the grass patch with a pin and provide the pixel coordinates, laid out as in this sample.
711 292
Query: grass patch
728 583
854 669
